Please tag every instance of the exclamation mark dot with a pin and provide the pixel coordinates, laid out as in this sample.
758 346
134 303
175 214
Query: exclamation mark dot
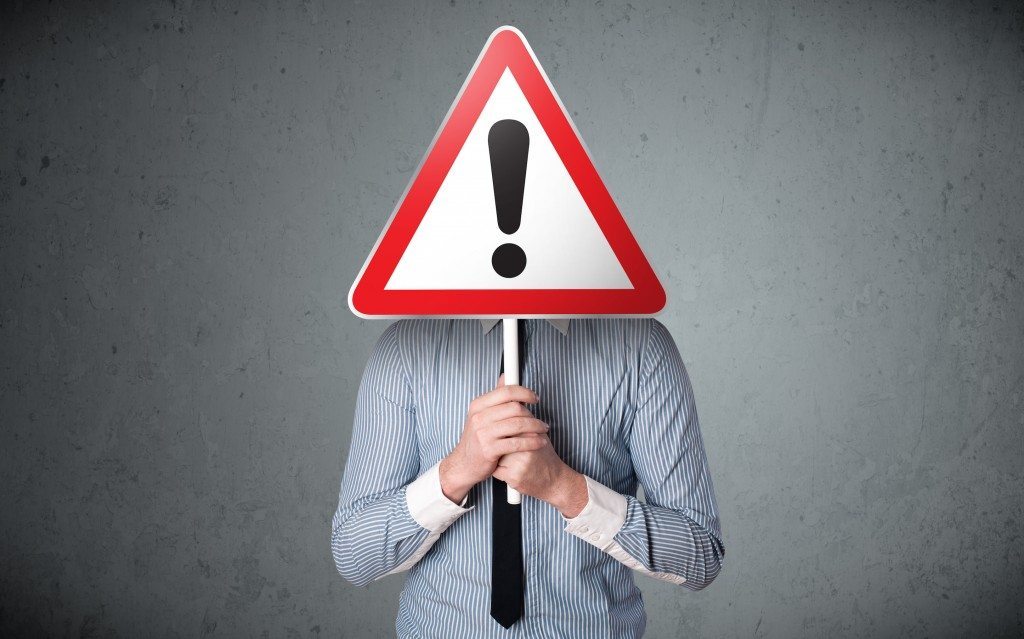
509 144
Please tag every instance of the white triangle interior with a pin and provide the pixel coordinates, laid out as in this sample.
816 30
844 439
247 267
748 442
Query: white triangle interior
451 249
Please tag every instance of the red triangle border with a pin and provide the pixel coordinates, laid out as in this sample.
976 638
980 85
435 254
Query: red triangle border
506 48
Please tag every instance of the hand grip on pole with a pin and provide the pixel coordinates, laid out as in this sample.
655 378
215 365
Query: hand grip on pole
510 332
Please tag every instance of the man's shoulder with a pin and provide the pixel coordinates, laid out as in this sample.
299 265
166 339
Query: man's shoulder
419 330
634 335
404 329
630 327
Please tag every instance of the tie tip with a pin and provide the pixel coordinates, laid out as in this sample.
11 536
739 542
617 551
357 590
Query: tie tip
505 624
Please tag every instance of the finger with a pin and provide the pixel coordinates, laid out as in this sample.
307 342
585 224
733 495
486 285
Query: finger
519 444
512 473
504 411
514 393
501 381
504 474
517 426
514 462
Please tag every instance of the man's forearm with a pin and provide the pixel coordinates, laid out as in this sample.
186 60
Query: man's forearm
567 491
454 480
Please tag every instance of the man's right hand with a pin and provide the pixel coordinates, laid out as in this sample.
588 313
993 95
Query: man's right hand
497 423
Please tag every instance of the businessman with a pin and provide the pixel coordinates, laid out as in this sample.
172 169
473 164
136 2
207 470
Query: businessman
605 405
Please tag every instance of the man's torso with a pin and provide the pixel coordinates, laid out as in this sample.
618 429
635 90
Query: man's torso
586 380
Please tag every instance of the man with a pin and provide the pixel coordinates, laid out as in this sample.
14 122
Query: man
604 404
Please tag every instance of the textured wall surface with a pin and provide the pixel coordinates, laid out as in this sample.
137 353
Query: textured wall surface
831 192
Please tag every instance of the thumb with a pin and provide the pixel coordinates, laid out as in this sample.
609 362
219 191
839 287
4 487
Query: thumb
501 381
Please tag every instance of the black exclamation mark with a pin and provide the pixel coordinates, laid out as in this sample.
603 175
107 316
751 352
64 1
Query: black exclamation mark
509 145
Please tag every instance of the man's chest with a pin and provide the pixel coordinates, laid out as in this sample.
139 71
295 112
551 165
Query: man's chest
586 396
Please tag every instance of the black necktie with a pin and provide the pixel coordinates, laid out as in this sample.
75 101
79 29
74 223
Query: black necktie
506 543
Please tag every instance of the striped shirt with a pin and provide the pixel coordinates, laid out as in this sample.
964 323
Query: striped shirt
620 406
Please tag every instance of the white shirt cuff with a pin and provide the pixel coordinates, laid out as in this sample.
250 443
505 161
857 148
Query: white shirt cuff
428 505
602 517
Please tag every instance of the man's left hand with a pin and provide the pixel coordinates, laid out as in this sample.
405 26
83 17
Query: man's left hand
543 475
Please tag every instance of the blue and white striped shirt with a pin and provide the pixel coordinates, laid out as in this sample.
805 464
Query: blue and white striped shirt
620 406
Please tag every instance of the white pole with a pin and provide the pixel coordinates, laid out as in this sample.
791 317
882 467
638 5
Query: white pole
510 331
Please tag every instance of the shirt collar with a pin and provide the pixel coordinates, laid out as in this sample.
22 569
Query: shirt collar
561 324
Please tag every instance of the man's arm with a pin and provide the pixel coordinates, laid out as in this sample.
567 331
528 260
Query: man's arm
675 536
387 518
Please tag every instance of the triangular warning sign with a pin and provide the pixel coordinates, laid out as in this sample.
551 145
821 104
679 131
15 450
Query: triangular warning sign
506 216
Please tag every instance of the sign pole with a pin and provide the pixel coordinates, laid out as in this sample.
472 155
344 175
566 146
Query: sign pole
510 332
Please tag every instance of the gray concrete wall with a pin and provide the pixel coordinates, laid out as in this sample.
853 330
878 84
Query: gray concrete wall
831 192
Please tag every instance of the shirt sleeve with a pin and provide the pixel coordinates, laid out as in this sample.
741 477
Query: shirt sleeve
389 515
675 536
